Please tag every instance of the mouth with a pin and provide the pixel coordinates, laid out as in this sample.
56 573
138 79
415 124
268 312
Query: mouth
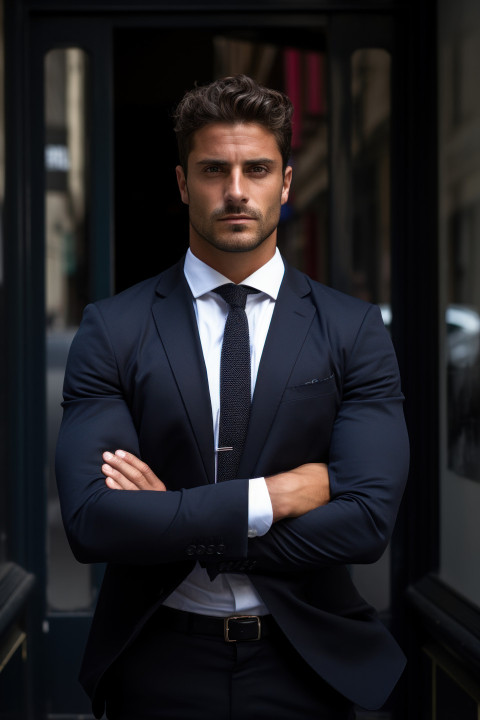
236 218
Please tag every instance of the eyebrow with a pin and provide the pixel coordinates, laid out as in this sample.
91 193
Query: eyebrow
254 161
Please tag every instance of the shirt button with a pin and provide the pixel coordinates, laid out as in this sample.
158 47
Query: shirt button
190 550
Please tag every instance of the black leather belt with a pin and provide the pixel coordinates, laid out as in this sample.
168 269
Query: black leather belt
236 628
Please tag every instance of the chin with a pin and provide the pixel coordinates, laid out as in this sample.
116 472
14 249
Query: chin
237 245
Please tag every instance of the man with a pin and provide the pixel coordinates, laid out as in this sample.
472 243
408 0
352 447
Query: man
231 599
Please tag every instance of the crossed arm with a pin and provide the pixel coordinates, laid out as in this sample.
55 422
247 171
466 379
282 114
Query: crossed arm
292 493
342 515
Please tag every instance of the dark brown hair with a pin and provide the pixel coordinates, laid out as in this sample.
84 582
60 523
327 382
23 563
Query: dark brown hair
233 100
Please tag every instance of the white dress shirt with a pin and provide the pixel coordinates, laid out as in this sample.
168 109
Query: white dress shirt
229 594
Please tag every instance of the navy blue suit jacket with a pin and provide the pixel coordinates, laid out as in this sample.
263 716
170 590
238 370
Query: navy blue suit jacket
327 390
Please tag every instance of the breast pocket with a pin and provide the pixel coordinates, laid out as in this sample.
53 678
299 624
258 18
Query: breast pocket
310 389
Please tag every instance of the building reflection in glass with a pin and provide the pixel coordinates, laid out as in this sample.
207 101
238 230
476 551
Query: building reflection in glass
459 238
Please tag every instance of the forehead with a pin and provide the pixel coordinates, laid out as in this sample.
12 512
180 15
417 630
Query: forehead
235 139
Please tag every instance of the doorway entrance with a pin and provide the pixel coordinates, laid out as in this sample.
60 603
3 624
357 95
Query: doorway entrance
104 213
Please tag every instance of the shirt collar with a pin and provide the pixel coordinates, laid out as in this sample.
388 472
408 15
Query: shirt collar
203 279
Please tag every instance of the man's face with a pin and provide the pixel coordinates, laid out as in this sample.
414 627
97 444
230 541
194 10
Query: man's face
234 189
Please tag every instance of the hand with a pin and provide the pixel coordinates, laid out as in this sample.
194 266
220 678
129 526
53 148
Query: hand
125 471
298 491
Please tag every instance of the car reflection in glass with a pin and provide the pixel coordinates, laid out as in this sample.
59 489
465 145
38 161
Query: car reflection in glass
463 388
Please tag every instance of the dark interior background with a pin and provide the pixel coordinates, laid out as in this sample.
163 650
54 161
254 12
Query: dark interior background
151 222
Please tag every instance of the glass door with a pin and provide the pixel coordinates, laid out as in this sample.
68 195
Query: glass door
69 262
103 154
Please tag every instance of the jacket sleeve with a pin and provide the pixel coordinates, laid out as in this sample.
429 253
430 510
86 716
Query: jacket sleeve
123 526
368 467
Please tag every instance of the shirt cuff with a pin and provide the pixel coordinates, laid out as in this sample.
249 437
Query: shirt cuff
260 512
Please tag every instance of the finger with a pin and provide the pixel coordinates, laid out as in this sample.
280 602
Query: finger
134 474
125 473
115 480
112 484
153 482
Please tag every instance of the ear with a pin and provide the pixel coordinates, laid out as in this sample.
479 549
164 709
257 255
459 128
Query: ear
182 184
287 181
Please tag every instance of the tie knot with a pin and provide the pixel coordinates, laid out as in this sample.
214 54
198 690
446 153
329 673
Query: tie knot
235 295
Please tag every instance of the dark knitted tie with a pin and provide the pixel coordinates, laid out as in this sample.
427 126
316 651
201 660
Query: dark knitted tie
235 382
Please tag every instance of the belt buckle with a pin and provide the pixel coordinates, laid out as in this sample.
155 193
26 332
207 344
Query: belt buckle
226 627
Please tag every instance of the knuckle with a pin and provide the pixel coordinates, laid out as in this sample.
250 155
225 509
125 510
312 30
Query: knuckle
137 476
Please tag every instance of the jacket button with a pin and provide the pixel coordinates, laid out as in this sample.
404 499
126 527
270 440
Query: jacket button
210 549
220 549
201 549
190 550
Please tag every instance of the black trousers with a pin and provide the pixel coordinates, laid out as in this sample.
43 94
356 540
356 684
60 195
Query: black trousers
170 674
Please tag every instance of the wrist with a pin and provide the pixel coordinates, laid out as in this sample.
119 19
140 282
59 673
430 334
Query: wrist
278 497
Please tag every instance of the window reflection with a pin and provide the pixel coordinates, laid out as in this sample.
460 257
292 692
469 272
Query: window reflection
370 270
66 284
463 390
367 262
459 226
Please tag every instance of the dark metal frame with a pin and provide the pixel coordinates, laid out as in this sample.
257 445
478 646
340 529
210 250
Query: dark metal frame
28 36
432 608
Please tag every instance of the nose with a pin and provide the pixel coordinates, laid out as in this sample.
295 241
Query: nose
235 189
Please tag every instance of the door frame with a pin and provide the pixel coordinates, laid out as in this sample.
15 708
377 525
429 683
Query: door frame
32 28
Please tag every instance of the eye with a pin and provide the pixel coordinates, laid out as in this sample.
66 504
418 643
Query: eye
212 169
258 169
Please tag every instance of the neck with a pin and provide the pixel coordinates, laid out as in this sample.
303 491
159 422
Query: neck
236 266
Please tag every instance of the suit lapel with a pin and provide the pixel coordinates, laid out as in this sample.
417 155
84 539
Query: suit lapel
176 324
291 320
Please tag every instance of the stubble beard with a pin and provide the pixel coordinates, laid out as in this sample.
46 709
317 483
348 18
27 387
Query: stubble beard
240 243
